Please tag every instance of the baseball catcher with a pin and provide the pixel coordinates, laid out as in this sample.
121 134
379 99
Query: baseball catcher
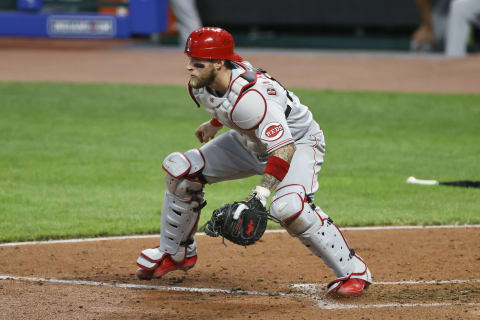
272 134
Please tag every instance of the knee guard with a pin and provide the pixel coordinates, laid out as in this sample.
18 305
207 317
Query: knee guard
183 200
317 232
288 206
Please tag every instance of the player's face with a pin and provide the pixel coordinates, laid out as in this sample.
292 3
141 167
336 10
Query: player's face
201 71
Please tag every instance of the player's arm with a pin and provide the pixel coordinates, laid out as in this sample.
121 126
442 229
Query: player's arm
208 130
253 112
278 168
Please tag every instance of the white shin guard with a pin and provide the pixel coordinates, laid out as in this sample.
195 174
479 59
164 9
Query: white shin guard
183 200
179 222
181 209
326 241
317 232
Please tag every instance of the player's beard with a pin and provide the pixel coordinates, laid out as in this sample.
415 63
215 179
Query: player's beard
206 80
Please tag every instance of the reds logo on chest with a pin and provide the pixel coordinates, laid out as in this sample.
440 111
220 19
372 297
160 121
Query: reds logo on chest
272 131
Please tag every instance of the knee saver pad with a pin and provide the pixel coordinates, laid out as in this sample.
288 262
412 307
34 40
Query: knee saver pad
290 207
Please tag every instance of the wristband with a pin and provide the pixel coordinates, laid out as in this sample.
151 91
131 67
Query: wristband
277 167
214 122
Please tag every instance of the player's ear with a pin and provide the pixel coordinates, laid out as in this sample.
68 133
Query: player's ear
217 64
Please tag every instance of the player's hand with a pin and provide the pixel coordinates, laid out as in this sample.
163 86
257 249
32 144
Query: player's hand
422 39
259 193
206 131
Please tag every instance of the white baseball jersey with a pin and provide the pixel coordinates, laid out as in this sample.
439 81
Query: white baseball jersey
266 115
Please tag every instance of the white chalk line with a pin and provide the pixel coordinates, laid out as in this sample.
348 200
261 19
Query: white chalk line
427 282
455 226
309 291
395 283
150 287
313 291
323 304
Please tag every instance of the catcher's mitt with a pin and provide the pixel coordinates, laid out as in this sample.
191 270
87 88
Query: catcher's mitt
244 228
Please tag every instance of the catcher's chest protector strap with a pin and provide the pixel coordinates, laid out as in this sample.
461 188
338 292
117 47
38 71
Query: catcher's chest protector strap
190 92
251 78
240 84
221 107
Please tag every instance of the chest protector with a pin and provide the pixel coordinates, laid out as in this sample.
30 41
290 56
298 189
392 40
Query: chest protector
244 105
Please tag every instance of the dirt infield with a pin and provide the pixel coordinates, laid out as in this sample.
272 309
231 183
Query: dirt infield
408 266
419 273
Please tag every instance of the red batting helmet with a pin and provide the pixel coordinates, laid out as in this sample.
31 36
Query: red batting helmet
211 43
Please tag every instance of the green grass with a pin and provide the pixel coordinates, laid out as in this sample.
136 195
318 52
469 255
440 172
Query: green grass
85 159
